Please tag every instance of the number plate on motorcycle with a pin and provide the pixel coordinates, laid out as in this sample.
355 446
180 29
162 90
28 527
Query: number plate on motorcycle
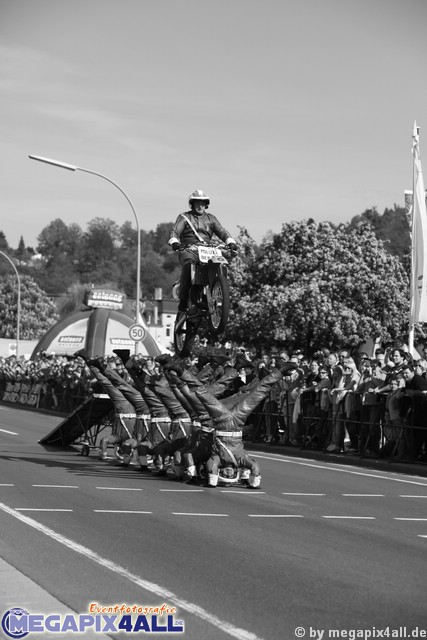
207 253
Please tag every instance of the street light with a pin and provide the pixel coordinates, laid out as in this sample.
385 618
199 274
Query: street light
72 167
18 314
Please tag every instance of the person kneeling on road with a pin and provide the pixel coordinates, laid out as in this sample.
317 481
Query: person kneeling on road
228 446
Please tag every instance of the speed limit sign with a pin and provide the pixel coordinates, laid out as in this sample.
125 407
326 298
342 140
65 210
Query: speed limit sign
137 332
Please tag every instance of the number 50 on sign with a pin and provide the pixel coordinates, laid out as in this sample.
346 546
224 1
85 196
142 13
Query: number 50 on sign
137 332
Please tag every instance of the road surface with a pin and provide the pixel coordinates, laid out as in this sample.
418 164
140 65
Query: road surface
319 547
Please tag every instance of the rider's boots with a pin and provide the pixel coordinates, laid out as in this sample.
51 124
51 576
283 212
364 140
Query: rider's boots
184 286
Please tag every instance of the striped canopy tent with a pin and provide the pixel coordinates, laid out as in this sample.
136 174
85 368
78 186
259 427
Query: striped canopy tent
98 331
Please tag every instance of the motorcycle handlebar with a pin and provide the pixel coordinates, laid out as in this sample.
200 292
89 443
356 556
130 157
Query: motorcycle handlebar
194 247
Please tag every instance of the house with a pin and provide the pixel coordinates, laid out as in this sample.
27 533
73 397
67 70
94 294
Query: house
159 315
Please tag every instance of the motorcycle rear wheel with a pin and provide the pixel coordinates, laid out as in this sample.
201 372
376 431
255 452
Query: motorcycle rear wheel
220 293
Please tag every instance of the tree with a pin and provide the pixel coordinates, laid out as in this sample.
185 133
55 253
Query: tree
98 252
159 237
55 277
392 228
4 246
58 239
38 313
59 245
21 252
316 286
153 275
72 301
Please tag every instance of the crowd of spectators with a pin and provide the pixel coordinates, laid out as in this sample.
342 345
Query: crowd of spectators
57 383
333 402
336 402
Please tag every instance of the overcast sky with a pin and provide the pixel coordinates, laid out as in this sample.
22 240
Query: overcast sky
279 109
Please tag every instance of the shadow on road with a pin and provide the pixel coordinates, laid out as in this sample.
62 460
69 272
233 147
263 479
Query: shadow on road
76 464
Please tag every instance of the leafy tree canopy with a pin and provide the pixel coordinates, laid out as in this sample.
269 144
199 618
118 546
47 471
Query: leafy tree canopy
391 227
37 315
315 285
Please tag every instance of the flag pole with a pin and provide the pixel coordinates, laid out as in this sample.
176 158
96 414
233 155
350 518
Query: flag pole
412 288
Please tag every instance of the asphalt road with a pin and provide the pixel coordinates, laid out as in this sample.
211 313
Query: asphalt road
320 546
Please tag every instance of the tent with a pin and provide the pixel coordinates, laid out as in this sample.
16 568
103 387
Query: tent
99 331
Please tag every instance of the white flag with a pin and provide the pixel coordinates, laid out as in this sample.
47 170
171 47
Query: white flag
419 238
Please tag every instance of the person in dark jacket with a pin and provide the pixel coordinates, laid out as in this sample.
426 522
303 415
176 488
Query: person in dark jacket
414 399
123 426
195 227
228 448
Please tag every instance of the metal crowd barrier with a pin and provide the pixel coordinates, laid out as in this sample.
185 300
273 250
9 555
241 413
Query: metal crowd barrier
45 395
320 415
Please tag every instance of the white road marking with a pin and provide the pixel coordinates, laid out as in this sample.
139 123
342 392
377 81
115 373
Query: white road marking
215 515
350 517
406 496
412 519
56 486
118 511
150 587
302 494
421 536
33 509
11 433
363 495
282 515
336 468
7 485
119 488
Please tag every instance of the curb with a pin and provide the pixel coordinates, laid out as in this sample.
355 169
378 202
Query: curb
19 591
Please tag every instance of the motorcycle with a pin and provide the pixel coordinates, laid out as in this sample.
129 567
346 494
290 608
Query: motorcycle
209 297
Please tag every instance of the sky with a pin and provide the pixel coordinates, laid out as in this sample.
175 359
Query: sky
280 110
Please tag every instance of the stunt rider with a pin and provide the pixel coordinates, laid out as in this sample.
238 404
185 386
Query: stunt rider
195 227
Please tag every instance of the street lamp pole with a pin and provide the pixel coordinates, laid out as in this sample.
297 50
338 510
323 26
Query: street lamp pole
18 313
72 167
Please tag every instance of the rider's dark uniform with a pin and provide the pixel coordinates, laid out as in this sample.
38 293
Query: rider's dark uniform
193 229
228 446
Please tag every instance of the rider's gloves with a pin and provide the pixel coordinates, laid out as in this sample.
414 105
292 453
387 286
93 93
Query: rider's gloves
232 246
176 246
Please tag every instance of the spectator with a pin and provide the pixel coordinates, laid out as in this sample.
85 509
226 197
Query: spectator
420 367
380 356
371 407
393 430
399 359
292 383
424 351
337 398
414 400
309 401
322 391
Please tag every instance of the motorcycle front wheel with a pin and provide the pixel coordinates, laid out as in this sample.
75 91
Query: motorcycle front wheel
220 293
183 336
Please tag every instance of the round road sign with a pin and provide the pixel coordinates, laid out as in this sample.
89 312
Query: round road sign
137 332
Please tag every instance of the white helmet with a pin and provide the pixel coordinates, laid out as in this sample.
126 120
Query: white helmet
198 195
229 472
255 482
